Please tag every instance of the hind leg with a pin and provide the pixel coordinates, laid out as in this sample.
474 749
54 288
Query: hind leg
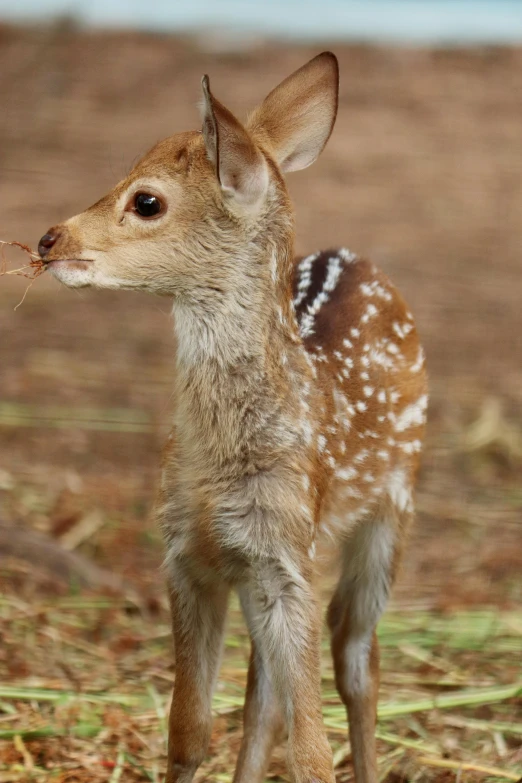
369 560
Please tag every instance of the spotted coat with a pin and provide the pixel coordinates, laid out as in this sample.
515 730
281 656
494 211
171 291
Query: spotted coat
363 348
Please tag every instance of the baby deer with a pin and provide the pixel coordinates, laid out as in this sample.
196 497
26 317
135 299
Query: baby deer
300 402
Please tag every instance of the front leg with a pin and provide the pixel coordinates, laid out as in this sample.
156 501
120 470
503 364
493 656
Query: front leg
286 627
263 723
198 618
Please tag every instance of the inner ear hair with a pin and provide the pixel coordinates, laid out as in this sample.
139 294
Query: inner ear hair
239 164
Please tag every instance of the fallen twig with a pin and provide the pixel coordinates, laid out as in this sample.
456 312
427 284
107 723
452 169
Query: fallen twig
36 548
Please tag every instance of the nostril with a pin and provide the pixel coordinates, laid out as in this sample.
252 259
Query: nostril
46 243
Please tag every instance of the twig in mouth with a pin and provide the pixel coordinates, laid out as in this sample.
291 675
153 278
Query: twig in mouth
31 271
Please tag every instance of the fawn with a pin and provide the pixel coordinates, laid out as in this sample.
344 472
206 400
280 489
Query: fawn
300 403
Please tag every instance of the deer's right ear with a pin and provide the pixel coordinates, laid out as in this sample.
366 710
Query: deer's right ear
295 121
240 166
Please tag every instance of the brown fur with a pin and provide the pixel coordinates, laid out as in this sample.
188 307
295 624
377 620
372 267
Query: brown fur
292 419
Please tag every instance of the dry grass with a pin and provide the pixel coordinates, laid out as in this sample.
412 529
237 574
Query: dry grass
35 265
32 270
90 682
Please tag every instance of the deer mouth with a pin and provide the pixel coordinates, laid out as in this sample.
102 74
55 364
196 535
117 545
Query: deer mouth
74 263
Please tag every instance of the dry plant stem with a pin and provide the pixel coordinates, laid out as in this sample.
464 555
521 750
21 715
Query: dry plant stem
22 300
457 765
36 263
36 266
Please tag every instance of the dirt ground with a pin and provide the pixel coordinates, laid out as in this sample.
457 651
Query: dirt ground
423 174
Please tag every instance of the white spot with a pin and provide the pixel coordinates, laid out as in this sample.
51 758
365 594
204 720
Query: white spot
412 415
321 442
399 490
371 311
346 255
361 406
355 332
333 273
374 289
419 363
381 396
378 357
346 474
305 279
412 447
401 330
368 391
382 293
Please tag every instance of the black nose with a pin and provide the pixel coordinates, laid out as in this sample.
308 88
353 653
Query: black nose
46 242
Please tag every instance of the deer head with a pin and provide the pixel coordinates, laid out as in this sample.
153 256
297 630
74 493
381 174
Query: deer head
204 212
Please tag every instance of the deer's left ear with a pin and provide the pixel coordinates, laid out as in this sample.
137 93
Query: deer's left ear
240 166
295 121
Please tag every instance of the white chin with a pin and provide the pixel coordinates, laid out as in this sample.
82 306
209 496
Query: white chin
74 274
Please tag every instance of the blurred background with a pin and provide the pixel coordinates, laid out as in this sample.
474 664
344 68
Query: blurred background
423 173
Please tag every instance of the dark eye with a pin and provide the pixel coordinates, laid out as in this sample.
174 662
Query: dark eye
147 205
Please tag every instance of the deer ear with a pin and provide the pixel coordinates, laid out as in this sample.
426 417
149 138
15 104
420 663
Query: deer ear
297 118
240 165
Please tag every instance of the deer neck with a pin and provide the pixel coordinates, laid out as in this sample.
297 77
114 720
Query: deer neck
237 359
